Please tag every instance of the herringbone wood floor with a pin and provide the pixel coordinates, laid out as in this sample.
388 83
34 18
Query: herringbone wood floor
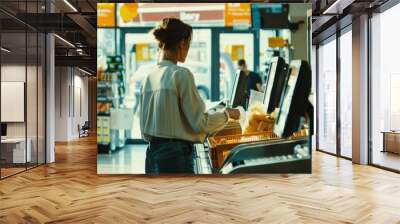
70 191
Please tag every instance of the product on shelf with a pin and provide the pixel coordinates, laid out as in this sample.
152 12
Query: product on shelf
103 107
110 94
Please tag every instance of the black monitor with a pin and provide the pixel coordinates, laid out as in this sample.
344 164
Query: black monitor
276 80
270 16
3 129
294 101
239 90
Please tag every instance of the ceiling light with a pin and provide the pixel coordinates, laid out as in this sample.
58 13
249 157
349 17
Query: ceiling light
70 5
5 50
64 40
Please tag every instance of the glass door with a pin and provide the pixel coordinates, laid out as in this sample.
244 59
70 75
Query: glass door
327 97
15 149
385 90
346 94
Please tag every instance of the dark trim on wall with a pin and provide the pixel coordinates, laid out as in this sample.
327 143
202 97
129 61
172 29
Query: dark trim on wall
338 76
45 95
369 80
73 91
69 100
60 76
26 90
316 96
37 93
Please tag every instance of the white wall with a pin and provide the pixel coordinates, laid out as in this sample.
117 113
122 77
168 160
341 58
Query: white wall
33 127
71 87
14 73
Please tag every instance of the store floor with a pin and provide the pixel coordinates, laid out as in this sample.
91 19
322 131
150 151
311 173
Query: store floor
387 159
128 160
70 191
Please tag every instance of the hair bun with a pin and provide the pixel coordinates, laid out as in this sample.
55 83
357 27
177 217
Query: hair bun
160 34
170 32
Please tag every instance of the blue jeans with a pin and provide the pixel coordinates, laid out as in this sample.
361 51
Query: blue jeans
175 157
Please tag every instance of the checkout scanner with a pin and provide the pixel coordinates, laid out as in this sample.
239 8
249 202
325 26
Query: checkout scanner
277 78
239 96
284 154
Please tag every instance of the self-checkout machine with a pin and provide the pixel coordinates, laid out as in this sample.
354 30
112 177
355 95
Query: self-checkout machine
282 147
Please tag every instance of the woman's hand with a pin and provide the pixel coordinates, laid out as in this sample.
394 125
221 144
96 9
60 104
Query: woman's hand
233 113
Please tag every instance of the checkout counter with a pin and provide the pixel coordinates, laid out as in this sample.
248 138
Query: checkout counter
282 147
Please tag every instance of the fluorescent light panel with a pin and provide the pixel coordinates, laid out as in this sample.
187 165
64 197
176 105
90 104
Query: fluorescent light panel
5 50
70 5
65 41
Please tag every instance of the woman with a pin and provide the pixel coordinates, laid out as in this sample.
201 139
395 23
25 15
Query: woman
172 114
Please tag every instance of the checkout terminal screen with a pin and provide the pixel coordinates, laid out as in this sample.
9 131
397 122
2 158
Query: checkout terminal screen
239 90
277 76
287 100
271 77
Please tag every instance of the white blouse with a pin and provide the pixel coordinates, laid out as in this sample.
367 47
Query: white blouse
171 106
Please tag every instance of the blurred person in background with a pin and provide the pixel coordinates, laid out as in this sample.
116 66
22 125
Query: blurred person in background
253 79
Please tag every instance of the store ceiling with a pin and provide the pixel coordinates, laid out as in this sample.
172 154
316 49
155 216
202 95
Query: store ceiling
328 15
72 20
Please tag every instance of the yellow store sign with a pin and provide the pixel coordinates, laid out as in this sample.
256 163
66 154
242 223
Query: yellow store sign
142 52
105 14
128 12
276 42
237 14
237 52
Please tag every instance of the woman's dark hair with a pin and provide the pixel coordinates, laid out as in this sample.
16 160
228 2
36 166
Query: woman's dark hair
170 32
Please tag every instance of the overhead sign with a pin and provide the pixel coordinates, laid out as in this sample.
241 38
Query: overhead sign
237 52
276 42
189 16
142 52
105 14
128 12
237 14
